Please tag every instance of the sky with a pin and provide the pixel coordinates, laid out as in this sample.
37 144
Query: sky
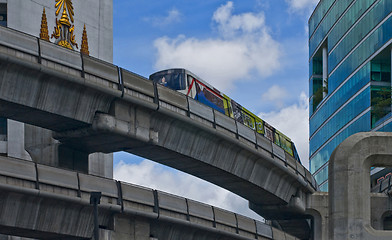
255 51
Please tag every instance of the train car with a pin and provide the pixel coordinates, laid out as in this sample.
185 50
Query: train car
189 84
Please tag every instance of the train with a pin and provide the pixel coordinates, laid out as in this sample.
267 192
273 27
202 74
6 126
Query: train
184 81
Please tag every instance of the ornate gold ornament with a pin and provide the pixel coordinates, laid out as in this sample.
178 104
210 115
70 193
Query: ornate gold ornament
44 33
64 29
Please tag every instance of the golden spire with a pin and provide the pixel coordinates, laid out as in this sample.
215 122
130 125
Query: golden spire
84 47
44 33
64 19
66 4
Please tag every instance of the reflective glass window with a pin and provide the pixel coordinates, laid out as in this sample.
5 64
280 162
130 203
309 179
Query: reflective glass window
386 128
322 175
337 99
381 103
317 91
329 20
347 21
381 71
373 43
322 156
375 16
340 119
324 187
319 14
173 78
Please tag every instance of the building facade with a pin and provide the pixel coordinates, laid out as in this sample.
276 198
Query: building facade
349 75
75 21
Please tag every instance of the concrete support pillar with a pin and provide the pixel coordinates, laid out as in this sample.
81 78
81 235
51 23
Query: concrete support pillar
349 181
16 140
325 70
126 228
44 149
100 164
318 209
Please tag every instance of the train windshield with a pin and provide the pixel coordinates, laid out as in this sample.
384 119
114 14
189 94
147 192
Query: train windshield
174 79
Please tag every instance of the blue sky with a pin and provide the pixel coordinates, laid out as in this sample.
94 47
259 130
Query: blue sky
254 51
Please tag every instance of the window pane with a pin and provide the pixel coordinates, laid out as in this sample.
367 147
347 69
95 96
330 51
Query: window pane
3 126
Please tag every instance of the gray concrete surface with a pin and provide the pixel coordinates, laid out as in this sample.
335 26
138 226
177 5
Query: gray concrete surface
15 140
350 210
349 189
43 202
91 112
25 16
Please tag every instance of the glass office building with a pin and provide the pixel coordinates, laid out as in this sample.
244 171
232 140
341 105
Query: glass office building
349 75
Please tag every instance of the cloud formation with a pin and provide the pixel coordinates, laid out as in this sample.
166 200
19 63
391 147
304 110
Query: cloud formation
302 5
293 122
153 175
275 95
173 16
244 46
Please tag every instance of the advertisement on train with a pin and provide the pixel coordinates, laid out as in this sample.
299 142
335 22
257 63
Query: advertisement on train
209 98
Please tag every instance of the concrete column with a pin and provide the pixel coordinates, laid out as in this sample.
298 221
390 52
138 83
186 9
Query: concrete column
325 69
100 164
126 228
16 140
349 181
318 209
45 150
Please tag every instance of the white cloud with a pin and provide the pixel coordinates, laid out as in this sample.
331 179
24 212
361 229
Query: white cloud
293 122
230 25
302 5
243 47
172 16
275 95
153 175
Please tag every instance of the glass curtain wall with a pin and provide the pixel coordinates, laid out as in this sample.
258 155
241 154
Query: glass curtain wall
356 73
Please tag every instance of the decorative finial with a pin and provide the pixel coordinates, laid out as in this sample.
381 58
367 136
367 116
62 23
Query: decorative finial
44 33
64 18
66 4
84 46
64 29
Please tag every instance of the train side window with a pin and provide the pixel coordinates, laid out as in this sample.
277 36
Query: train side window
3 14
175 81
191 88
237 112
269 133
277 139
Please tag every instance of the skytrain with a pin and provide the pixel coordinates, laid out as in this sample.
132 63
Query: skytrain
184 81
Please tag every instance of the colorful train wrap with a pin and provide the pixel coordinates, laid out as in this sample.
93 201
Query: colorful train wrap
189 84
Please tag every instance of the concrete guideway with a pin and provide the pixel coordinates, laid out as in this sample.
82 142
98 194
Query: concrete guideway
95 106
51 203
